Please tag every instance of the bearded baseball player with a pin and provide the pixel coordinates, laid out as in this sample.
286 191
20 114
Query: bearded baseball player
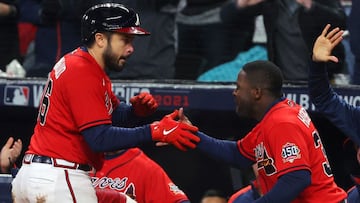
285 145
77 110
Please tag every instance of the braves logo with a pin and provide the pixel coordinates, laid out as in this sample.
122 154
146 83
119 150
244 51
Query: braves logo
105 182
264 161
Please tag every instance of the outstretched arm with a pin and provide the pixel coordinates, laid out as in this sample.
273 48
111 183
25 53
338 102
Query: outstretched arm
222 150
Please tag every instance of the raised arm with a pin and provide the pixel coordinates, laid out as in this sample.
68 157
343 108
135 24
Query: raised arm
326 100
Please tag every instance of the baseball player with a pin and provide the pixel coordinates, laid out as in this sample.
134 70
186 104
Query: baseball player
135 174
341 114
77 109
285 145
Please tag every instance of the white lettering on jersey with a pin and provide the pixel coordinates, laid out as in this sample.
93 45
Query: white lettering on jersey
304 117
105 182
59 67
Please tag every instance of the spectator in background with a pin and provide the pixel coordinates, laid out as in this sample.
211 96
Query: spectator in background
58 30
9 153
354 29
208 37
155 55
292 27
137 176
213 196
9 44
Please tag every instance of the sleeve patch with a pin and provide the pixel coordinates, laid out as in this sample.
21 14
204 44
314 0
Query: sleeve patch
290 152
175 189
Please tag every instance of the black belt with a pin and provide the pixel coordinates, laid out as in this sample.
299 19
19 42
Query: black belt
33 158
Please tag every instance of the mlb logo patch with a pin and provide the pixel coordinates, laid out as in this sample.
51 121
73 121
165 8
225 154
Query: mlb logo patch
290 152
16 95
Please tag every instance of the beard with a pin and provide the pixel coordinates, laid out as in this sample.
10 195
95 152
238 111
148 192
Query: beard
112 62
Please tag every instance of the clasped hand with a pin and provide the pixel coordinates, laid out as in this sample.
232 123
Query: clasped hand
180 133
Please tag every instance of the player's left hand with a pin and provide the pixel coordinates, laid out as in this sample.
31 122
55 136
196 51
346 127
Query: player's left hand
144 104
9 153
325 43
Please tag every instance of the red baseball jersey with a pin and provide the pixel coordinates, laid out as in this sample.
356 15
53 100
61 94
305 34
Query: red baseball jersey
136 175
286 140
78 95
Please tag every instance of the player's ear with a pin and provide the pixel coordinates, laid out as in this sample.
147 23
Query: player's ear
257 92
100 40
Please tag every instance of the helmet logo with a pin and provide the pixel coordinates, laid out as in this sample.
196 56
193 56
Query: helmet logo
137 23
114 18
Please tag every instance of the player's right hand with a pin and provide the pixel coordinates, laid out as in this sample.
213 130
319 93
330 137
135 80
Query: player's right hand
180 134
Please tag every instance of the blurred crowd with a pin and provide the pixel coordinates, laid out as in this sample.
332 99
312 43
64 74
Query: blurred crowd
189 39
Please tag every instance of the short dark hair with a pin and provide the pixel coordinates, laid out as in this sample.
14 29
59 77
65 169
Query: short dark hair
91 40
265 74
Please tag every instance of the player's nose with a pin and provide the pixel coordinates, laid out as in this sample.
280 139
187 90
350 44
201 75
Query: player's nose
129 49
